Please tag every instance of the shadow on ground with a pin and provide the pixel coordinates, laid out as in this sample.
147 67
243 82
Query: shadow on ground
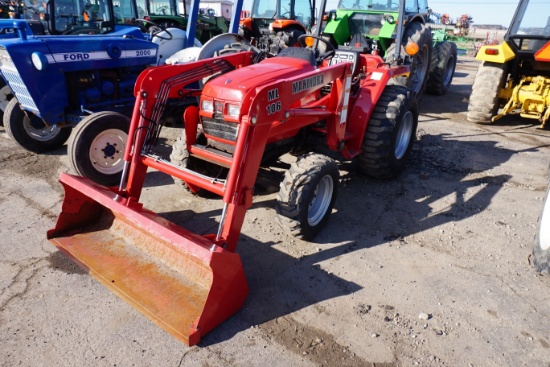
367 213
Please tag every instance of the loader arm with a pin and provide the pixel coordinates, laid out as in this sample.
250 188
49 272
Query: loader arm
153 88
256 126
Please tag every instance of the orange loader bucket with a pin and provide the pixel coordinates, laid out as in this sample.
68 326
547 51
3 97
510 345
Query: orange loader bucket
180 280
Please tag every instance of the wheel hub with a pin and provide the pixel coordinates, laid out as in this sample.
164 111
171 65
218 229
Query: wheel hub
420 69
320 202
38 130
404 135
107 151
110 150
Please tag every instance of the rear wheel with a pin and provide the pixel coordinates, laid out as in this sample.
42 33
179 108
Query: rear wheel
484 101
307 195
442 68
96 150
390 133
29 131
421 35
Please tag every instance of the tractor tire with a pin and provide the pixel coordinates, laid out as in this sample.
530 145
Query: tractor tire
540 257
443 67
96 149
307 194
484 101
180 157
30 132
6 95
390 133
422 36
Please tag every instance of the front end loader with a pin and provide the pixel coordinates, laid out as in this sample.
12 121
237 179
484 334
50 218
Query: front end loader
251 111
515 75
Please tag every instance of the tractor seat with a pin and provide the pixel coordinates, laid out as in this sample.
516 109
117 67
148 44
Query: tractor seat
298 53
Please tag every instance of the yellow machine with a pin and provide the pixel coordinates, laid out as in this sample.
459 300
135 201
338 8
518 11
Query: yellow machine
515 75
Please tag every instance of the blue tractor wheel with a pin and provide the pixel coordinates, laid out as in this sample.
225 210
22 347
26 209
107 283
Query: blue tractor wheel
96 150
30 131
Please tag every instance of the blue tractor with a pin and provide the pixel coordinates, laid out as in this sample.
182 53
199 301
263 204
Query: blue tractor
77 62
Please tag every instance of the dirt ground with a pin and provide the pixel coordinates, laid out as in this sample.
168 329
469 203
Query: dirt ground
430 269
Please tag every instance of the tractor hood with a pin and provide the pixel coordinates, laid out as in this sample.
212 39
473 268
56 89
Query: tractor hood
35 67
235 86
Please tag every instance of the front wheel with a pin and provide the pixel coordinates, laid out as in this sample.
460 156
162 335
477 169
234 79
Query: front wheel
96 150
180 157
390 133
307 195
30 131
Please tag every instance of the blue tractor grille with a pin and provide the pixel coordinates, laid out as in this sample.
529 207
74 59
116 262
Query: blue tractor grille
20 90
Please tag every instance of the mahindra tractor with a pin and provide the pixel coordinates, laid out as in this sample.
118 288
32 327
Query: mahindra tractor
277 24
514 76
374 23
251 111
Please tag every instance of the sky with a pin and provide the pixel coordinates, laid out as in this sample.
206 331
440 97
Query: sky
482 12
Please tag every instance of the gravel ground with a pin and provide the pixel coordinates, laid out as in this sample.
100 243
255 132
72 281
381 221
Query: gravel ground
429 269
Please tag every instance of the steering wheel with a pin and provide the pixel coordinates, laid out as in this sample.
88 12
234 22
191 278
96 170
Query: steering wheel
155 29
319 56
284 14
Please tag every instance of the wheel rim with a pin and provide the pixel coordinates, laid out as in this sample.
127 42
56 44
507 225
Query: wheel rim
420 69
38 130
5 96
107 151
404 134
320 202
448 76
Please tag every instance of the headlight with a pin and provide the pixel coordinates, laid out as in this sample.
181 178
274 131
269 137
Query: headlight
39 60
390 19
207 105
234 110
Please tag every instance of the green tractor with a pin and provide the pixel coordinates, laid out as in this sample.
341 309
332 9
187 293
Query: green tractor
166 13
374 22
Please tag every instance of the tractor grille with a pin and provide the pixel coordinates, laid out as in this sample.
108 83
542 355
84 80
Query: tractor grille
220 129
9 72
18 87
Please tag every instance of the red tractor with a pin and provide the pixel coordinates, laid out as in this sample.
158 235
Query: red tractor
250 112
